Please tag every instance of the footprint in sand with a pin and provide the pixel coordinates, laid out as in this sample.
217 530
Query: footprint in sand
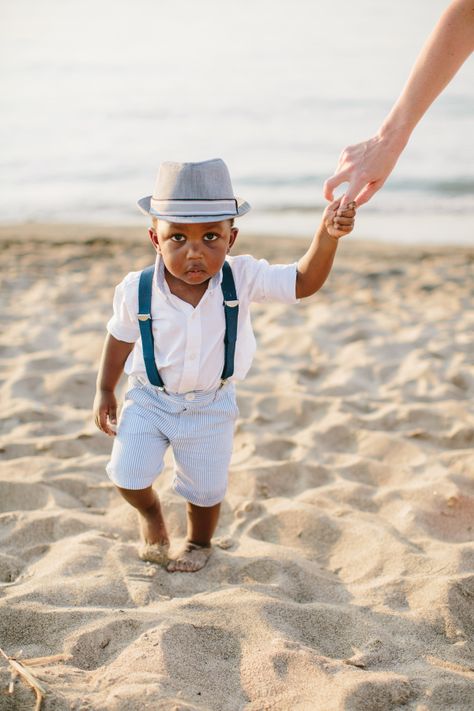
82 492
171 646
16 450
275 449
329 630
287 478
98 642
25 386
10 568
22 496
45 528
25 627
368 471
287 579
460 603
300 527
73 387
375 694
451 694
452 519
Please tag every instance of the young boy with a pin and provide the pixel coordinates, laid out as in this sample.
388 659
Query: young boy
193 341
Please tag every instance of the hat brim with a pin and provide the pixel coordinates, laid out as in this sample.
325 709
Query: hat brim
242 208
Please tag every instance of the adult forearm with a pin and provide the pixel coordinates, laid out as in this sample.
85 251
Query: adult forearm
448 46
315 265
114 355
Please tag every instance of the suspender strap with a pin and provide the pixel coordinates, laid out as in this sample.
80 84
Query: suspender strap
231 312
144 321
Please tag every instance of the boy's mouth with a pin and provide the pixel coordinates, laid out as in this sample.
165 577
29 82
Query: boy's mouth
196 269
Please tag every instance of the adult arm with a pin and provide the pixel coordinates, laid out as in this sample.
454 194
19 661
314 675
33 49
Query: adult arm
367 165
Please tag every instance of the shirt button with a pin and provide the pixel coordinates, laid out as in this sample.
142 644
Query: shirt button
192 356
189 396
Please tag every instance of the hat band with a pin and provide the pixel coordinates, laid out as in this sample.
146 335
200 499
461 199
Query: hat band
186 207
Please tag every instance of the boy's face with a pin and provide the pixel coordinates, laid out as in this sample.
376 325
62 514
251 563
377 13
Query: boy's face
193 253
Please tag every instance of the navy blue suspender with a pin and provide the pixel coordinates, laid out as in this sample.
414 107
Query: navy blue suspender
144 321
231 312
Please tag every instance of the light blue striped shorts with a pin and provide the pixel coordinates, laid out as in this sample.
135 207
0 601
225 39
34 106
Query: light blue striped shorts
199 426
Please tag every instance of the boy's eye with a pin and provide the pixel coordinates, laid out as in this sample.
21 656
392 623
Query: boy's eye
211 237
178 238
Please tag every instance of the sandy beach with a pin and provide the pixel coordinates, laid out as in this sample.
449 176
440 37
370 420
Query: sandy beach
342 577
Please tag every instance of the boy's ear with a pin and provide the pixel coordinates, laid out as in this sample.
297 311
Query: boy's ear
234 231
154 238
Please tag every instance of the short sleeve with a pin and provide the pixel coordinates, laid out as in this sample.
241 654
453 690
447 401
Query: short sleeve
271 282
124 323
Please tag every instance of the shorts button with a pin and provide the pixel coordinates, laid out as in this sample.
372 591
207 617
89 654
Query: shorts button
189 396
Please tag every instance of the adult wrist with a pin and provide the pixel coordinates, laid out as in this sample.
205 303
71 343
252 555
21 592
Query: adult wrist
395 133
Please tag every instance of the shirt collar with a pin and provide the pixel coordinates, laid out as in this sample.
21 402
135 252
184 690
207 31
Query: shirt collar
160 275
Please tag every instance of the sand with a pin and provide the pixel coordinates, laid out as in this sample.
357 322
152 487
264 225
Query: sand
342 576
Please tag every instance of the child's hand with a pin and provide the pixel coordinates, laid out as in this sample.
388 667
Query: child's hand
339 222
105 412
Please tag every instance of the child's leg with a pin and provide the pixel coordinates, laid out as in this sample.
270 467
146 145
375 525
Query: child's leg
202 522
202 454
153 529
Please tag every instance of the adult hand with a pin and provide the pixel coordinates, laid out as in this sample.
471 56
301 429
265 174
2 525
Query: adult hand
365 166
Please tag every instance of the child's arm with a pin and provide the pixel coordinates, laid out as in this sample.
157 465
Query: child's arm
114 355
315 265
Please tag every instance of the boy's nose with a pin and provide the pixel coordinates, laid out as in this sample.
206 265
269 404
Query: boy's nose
194 250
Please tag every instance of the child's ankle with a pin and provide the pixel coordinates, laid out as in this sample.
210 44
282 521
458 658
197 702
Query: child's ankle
151 511
200 543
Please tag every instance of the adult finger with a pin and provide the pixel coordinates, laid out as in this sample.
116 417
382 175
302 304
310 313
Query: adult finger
352 192
332 183
368 191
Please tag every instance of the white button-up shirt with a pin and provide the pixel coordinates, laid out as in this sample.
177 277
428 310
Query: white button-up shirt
189 342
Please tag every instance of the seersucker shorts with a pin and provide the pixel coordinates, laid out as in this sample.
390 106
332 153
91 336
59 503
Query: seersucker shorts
199 427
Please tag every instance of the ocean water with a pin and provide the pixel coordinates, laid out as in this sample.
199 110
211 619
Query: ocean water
94 95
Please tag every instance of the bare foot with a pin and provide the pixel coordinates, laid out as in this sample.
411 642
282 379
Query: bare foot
189 558
155 540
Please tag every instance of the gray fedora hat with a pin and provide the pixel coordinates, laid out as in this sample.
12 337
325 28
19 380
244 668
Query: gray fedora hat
193 192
